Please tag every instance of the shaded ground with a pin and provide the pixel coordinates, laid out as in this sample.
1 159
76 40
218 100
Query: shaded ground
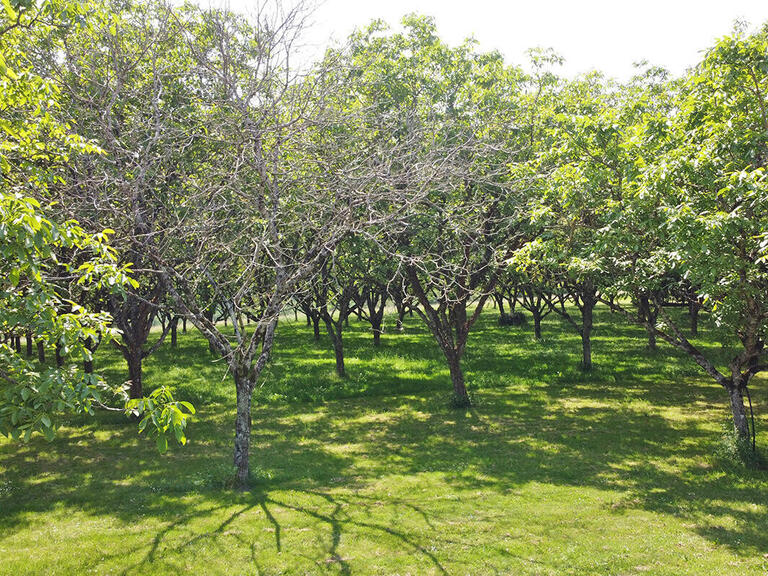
552 472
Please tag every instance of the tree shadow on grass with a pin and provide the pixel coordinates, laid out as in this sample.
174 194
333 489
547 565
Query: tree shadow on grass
607 430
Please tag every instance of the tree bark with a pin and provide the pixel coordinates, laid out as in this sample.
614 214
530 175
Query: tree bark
338 350
376 302
651 340
644 312
134 359
400 316
30 346
208 315
174 332
91 345
499 299
740 423
693 311
536 324
316 327
41 352
457 379
184 325
587 313
242 431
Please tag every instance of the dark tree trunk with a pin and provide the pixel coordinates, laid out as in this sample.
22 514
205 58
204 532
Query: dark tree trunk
499 299
208 314
41 351
59 357
30 345
740 423
17 343
174 332
184 325
335 329
644 312
242 431
134 359
587 314
400 316
376 301
338 350
536 323
91 345
651 340
316 327
457 379
693 312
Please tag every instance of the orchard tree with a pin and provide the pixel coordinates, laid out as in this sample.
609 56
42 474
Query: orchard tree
334 290
697 210
457 112
715 202
282 182
581 173
48 267
122 77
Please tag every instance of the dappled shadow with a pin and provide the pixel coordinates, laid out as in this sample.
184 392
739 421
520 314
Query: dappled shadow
634 426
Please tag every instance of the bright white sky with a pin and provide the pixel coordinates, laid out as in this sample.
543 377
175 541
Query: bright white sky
609 35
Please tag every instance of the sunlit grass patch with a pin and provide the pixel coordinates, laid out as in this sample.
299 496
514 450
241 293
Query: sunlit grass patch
552 471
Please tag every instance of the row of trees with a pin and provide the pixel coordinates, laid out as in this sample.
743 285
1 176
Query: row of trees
397 169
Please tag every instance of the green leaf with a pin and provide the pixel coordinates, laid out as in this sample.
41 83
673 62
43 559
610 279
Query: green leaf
188 406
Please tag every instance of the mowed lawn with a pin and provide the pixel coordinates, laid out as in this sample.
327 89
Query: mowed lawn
553 471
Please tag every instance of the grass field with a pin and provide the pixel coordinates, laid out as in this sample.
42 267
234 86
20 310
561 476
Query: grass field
553 471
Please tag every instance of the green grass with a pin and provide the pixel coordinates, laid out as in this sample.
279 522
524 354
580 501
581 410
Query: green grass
553 471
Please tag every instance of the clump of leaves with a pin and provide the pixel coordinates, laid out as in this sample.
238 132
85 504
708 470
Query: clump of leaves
167 416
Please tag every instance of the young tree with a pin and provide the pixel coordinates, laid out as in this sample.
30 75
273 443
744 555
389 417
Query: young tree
282 182
334 291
